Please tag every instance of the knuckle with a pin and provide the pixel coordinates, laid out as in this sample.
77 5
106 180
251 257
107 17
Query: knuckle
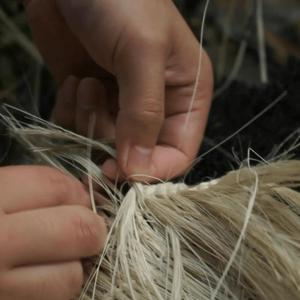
151 40
89 231
147 119
59 184
149 113
76 279
64 189
150 116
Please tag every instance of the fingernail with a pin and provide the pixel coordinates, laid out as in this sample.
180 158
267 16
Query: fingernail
139 160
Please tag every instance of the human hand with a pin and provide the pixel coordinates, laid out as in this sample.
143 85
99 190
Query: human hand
134 63
45 229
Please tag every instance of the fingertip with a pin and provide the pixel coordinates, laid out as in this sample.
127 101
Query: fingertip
64 109
139 162
110 169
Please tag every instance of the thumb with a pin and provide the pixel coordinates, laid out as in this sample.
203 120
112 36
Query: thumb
141 110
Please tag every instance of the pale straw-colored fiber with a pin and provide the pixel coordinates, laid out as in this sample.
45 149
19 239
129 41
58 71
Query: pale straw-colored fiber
236 237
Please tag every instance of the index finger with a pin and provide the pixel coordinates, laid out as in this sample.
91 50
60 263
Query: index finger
32 187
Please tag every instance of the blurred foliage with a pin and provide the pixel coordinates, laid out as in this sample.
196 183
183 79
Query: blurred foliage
22 74
13 57
230 23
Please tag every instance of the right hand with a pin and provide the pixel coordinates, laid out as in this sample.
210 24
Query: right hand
134 63
46 228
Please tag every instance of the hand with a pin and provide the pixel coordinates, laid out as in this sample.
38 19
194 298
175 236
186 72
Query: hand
45 229
134 63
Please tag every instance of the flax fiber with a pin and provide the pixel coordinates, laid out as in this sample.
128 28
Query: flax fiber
236 237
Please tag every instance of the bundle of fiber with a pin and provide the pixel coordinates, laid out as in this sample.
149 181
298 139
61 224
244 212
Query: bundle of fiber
236 237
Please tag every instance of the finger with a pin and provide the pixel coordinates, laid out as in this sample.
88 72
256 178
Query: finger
96 24
112 170
184 128
92 99
51 235
60 48
140 75
141 114
65 106
62 281
41 187
172 157
187 108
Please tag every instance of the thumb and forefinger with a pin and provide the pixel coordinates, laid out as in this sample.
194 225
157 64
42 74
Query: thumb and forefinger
137 60
141 111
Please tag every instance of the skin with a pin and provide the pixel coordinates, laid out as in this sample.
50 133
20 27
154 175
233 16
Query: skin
133 63
46 228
